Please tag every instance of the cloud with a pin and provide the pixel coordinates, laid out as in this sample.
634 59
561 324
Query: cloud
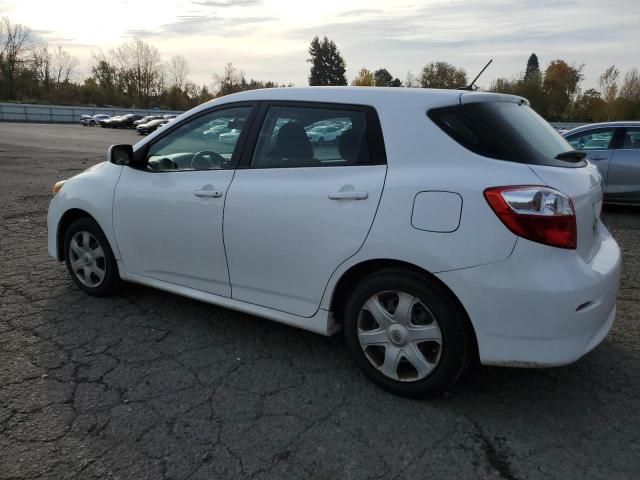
469 33
187 25
227 3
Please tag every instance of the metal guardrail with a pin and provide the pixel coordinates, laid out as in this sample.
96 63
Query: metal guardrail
33 113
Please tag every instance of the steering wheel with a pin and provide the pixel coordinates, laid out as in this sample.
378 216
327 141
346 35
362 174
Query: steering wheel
206 160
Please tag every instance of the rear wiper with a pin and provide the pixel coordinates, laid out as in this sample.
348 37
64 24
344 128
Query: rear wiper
571 156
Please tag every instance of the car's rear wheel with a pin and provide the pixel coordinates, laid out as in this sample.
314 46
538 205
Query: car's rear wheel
92 123
407 333
89 258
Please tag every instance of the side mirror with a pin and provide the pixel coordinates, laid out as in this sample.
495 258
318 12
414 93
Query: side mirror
120 154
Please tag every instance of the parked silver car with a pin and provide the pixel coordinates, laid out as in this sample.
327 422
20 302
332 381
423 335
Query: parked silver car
615 148
91 121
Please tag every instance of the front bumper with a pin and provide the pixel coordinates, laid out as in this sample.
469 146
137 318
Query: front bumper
53 220
542 306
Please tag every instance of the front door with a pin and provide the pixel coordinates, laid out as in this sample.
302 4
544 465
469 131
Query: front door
168 215
624 172
597 144
299 207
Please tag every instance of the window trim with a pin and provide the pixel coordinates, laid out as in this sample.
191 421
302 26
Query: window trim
141 155
375 138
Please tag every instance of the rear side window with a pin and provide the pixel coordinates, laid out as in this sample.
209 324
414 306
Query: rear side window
631 140
503 131
305 136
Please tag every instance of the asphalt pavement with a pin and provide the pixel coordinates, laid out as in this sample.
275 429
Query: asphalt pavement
150 385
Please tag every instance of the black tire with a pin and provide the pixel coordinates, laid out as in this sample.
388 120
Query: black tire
110 283
456 349
92 123
321 141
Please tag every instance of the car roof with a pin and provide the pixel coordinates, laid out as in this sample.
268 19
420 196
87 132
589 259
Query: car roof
590 126
362 95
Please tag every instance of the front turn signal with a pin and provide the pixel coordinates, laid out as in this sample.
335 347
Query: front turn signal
57 186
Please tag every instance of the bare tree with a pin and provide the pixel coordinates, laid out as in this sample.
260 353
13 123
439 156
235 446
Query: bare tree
140 65
411 80
609 85
231 81
177 70
41 66
15 43
63 65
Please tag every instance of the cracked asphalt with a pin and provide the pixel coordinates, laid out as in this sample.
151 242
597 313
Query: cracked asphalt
150 385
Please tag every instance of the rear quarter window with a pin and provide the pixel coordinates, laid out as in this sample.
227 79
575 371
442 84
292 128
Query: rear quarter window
506 131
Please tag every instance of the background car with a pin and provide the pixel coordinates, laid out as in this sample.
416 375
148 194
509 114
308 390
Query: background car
93 120
216 128
108 122
324 133
146 119
152 126
230 138
614 147
125 121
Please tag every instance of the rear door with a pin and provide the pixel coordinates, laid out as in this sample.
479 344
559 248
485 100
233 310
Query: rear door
624 171
295 209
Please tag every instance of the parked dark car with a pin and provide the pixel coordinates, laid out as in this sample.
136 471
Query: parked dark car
108 123
125 121
147 119
152 126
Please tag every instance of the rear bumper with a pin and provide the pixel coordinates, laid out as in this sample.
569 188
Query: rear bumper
543 306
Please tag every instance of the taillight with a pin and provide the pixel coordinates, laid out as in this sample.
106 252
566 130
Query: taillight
540 214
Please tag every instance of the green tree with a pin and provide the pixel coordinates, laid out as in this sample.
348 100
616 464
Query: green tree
327 65
384 79
560 85
629 98
533 68
364 79
442 75
590 107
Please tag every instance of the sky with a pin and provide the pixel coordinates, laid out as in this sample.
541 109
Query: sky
268 39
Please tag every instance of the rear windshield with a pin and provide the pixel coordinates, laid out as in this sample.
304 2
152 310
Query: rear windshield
504 131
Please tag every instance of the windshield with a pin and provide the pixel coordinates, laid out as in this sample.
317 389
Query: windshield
505 131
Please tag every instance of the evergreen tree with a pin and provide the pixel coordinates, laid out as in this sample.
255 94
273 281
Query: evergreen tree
384 79
327 65
533 68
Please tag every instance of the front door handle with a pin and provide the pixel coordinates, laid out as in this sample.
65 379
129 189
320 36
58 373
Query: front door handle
208 193
349 195
598 158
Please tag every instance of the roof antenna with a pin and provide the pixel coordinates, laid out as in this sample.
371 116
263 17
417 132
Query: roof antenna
470 87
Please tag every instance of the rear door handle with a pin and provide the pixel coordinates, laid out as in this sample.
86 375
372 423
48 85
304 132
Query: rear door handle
208 193
349 195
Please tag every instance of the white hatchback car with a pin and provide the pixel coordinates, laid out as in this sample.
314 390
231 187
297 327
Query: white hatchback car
444 226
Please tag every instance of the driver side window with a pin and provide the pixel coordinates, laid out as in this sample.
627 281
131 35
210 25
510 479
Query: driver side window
205 143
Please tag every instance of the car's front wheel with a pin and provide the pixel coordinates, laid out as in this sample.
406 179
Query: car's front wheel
89 258
92 123
407 333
